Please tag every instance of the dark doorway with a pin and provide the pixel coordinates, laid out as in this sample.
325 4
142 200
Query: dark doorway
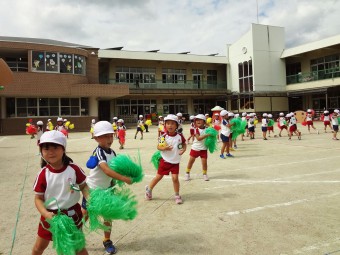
104 110
295 103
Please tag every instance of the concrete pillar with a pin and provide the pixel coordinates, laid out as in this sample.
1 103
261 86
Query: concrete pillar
93 105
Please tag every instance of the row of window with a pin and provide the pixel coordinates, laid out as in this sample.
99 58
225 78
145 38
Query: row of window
46 107
138 75
245 74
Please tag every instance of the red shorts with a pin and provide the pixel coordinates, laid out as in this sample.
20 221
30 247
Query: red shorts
283 127
192 131
270 128
74 212
292 128
310 123
165 168
326 123
196 154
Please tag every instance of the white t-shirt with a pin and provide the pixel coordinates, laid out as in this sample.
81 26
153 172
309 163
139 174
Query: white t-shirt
176 142
58 184
199 145
292 121
225 130
97 178
264 122
335 121
326 118
251 122
309 117
282 121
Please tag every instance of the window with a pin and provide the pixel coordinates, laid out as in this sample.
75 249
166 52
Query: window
130 107
38 61
203 105
135 75
170 75
52 62
326 67
66 63
79 64
246 102
17 64
245 74
48 107
212 77
173 106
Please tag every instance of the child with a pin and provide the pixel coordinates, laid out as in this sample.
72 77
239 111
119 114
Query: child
171 152
60 126
192 128
93 121
40 131
335 123
270 126
102 176
264 126
251 126
244 118
180 122
282 123
198 148
309 120
51 183
225 134
217 125
49 125
160 126
326 120
293 126
140 127
121 133
115 128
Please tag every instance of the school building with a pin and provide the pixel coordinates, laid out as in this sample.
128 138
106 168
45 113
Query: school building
79 82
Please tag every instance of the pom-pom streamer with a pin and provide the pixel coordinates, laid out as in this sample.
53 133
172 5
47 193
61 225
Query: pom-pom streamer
211 141
124 165
156 157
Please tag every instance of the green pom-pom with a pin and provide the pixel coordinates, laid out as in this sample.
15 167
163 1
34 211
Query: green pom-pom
124 165
271 123
237 128
211 141
67 238
156 157
110 204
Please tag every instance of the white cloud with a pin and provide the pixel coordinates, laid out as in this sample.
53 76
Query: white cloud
201 26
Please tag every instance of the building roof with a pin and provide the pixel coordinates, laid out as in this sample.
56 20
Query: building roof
158 56
41 41
330 42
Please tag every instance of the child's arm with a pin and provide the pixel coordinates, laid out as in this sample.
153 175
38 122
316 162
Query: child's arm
164 148
109 172
39 203
184 148
85 190
200 138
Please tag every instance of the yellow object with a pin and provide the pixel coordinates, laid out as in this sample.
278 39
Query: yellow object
67 123
50 126
209 120
161 128
28 124
114 125
142 127
91 130
161 142
71 126
148 122
255 122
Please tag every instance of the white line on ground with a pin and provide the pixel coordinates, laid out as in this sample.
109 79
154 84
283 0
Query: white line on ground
2 139
255 209
277 181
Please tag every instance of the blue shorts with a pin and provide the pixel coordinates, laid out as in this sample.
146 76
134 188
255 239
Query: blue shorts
251 129
224 138
264 129
336 128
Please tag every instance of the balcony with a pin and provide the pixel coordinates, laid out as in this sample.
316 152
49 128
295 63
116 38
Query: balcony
313 76
166 85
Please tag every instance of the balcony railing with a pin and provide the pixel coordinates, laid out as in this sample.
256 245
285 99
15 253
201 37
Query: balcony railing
161 84
313 76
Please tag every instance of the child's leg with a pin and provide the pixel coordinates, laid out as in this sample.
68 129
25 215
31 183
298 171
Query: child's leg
175 182
224 146
82 252
39 246
190 163
205 168
155 180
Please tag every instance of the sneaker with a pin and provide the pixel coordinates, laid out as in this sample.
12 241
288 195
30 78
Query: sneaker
335 138
187 177
235 146
148 193
178 200
231 148
317 131
205 177
109 247
135 137
222 156
141 138
229 155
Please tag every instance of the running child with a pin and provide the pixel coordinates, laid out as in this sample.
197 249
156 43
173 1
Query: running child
60 126
93 121
293 126
161 130
225 134
270 127
309 120
326 120
50 183
251 126
171 152
102 176
180 123
140 127
40 131
115 127
121 133
335 123
282 122
198 148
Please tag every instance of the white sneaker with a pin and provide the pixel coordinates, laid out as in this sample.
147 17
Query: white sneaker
187 177
205 177
317 131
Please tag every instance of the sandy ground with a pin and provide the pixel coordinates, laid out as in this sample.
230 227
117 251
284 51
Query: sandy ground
275 197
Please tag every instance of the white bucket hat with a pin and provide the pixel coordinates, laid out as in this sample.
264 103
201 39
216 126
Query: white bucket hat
120 120
264 115
191 117
282 114
102 128
140 116
270 115
224 113
53 136
200 116
60 119
39 123
93 121
171 117
244 114
230 114
179 114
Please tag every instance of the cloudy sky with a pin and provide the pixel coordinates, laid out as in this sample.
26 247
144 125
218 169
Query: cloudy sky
198 26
